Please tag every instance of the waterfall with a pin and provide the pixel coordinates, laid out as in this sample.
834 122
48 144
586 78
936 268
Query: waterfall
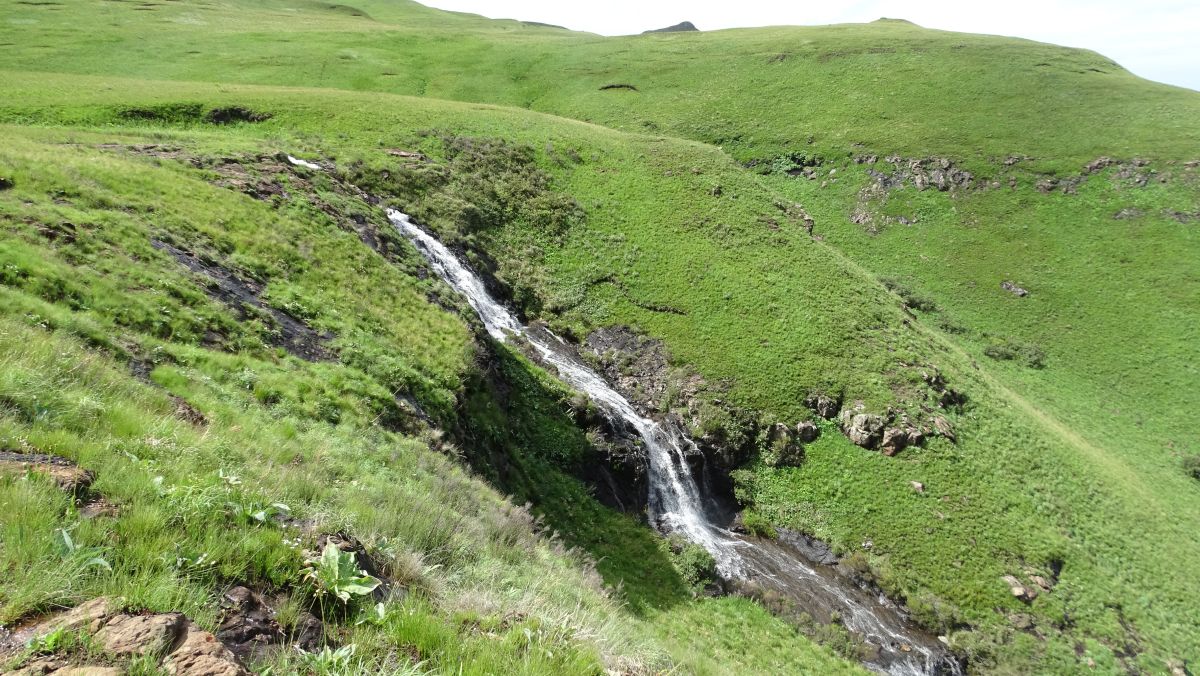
676 501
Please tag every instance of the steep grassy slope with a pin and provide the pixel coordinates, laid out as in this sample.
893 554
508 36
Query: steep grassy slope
1074 463
98 228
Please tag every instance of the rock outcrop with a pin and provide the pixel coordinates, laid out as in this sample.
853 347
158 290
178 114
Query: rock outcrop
65 474
183 648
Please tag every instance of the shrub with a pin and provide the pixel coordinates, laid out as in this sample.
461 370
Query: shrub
1010 350
1191 465
911 298
695 565
756 524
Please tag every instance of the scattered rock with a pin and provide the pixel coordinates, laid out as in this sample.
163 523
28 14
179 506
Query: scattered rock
894 441
916 437
293 335
68 476
783 447
309 632
822 405
89 616
917 486
1047 185
1178 668
188 413
201 654
408 155
126 635
40 666
1019 590
1127 213
1098 164
1012 288
807 431
99 508
944 429
863 429
1041 582
248 625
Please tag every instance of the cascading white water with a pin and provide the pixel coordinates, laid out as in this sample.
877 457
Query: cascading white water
676 502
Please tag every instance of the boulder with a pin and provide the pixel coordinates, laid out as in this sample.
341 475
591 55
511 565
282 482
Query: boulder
917 486
1041 582
783 447
1012 288
944 429
1098 164
807 431
248 625
89 671
894 441
864 429
88 616
201 654
126 635
68 476
916 437
824 406
1019 590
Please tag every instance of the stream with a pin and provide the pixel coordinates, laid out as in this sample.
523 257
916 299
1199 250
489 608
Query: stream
677 502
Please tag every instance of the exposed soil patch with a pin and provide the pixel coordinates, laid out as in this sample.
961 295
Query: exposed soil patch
618 86
292 335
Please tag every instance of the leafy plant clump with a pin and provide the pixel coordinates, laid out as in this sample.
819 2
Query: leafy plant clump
335 574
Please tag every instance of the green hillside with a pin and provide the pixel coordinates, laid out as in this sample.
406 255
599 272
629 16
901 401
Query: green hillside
351 385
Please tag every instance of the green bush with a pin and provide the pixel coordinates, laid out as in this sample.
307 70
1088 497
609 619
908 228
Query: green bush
695 565
1028 354
757 525
1191 465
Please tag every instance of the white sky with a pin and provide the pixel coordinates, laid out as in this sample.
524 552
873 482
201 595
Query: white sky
1156 39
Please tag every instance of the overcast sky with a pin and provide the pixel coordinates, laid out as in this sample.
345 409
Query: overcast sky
1156 39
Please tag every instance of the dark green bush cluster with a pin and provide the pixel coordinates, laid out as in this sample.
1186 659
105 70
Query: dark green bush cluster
912 299
695 565
1191 465
1028 354
492 182
758 525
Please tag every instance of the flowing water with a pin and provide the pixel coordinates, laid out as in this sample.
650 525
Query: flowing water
677 503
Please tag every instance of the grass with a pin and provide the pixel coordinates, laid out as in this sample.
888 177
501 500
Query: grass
650 220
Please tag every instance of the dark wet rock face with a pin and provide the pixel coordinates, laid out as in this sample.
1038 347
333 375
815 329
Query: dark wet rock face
6 183
248 624
244 297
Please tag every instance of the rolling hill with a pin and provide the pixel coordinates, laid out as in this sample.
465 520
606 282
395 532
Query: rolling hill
990 240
